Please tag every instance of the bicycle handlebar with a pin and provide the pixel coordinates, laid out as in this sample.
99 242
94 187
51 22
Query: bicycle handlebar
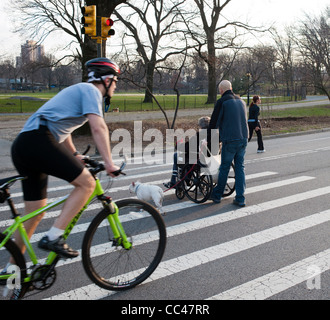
97 166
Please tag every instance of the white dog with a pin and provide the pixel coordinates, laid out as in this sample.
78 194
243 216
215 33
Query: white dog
147 192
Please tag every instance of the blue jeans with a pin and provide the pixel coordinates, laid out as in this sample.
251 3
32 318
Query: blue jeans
232 151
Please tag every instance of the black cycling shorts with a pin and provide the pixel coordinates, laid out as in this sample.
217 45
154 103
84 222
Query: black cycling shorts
36 154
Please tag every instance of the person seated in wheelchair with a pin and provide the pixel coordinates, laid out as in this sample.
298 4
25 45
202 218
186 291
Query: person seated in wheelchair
184 155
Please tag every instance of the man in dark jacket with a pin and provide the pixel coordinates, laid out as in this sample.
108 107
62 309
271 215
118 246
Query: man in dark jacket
229 116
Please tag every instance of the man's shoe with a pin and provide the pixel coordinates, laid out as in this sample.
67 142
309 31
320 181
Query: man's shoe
59 246
240 204
215 200
168 185
261 151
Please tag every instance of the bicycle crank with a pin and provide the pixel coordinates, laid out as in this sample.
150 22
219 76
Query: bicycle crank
43 277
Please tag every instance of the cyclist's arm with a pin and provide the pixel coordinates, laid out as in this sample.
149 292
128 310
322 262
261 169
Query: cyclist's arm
68 144
101 137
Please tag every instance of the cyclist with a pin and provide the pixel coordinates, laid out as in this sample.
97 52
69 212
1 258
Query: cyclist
45 147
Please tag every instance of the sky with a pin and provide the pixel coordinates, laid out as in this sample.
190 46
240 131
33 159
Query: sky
280 12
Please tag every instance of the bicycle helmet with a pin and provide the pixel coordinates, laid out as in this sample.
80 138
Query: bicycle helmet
100 68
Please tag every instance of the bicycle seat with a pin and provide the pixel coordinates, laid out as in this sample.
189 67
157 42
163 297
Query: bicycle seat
6 182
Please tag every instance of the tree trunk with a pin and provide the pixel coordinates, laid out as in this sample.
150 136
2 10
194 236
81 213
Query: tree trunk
212 81
150 82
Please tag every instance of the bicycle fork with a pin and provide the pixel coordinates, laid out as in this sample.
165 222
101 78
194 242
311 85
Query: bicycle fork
120 237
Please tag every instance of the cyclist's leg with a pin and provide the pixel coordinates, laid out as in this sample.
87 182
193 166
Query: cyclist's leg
84 186
62 164
34 188
30 225
37 152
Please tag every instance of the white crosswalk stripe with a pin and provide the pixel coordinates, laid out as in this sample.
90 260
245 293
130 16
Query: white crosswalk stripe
279 280
260 288
207 255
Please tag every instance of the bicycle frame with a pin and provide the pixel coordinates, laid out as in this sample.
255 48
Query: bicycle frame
113 219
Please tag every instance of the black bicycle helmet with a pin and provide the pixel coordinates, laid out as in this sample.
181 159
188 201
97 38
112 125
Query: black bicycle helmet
100 67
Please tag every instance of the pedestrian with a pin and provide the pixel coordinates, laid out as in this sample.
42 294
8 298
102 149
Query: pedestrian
254 123
45 147
230 117
203 123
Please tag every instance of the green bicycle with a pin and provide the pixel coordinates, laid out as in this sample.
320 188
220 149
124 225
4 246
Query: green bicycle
121 248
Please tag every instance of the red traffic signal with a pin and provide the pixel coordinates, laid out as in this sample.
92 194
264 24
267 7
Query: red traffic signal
106 31
109 22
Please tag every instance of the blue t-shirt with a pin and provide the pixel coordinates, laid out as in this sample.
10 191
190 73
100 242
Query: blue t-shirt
67 111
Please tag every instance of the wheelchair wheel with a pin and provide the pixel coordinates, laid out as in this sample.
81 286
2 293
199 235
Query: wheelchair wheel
179 191
230 186
197 184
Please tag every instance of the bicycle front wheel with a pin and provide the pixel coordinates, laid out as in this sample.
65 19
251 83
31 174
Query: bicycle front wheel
113 267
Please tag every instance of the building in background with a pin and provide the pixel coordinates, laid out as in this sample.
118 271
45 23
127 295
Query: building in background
31 51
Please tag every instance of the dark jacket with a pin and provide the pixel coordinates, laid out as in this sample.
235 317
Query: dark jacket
229 116
254 112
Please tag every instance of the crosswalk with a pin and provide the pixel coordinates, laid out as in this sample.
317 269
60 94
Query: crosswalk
259 288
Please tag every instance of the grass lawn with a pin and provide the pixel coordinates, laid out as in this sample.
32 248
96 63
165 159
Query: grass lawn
125 102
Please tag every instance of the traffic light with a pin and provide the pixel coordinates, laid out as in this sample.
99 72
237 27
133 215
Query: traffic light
106 31
89 20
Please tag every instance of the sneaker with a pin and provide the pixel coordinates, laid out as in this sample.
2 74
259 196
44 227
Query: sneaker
168 185
261 151
59 246
240 204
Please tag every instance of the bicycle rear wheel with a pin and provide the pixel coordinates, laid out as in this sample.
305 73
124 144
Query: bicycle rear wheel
14 288
111 266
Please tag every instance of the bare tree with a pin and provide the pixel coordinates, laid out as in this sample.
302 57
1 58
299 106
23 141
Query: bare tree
313 40
40 18
176 69
7 72
284 46
152 27
219 34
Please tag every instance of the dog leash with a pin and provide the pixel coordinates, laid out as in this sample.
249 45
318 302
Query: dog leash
200 152
182 178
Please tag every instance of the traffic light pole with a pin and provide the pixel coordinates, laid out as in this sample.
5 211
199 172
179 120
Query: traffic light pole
98 38
97 27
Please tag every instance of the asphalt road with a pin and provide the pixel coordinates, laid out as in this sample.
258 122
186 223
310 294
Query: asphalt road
276 248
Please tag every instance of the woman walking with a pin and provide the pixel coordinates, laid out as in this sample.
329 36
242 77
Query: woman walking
254 123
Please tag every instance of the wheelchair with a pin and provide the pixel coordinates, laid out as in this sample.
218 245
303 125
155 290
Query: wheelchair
196 181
